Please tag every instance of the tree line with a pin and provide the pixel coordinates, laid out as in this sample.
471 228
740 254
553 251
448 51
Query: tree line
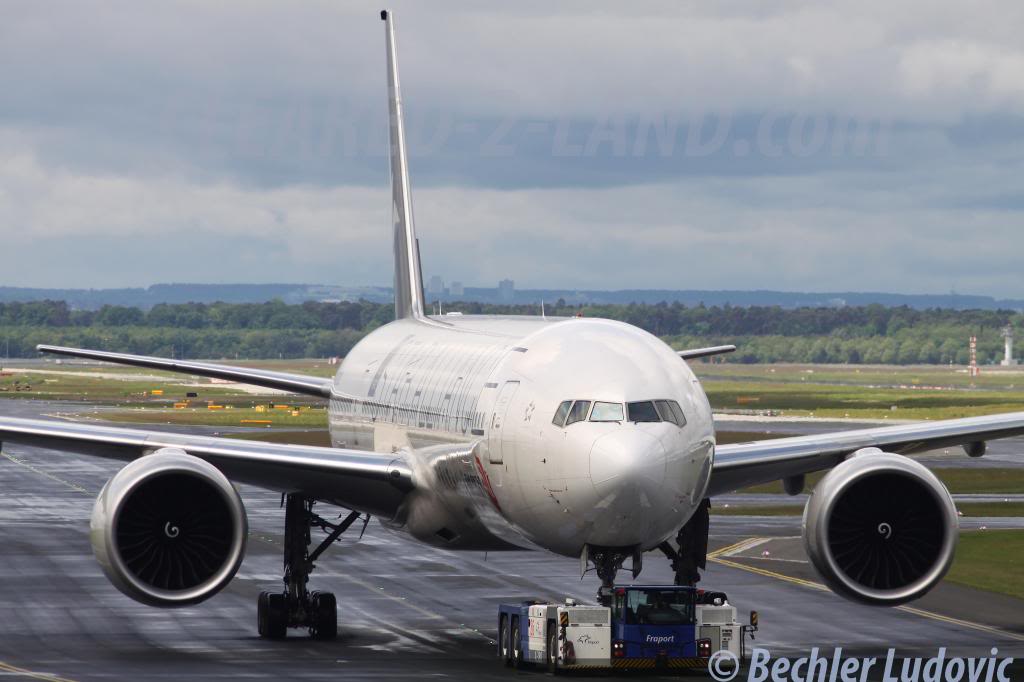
857 334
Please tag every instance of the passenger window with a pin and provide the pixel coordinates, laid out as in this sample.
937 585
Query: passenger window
680 417
578 412
606 412
561 413
665 412
642 412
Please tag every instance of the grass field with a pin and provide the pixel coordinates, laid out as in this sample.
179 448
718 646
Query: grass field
308 417
968 509
875 376
830 391
957 479
87 388
991 560
864 402
133 387
865 392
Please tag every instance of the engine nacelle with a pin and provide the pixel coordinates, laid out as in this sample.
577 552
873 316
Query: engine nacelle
169 529
880 528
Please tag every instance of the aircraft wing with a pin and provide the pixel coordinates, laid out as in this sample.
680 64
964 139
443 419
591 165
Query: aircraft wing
365 481
284 381
745 464
694 353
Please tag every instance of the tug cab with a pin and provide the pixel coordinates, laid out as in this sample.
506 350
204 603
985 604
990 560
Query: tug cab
655 623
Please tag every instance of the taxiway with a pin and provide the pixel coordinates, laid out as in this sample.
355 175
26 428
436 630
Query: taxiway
405 610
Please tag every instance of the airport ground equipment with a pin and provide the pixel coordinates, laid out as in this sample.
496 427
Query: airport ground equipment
716 623
646 627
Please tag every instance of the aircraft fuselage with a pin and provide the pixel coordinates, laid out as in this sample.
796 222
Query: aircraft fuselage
473 401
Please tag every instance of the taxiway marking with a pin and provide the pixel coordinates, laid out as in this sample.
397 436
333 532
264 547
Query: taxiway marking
906 609
47 474
737 547
24 672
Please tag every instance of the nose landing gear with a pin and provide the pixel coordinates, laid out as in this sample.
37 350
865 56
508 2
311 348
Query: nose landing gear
607 562
687 560
297 607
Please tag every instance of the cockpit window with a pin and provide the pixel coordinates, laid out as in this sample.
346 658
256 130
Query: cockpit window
606 412
578 412
642 412
670 412
680 417
664 411
561 413
570 412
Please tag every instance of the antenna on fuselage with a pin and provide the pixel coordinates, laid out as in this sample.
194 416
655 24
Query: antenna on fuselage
408 280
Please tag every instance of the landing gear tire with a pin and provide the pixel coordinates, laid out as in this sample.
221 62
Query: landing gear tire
553 649
504 650
261 614
324 615
275 626
516 645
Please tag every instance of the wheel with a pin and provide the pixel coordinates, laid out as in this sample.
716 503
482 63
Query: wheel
516 645
261 614
552 648
276 624
504 652
324 615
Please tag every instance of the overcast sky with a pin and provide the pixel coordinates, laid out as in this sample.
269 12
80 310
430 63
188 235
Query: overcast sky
866 146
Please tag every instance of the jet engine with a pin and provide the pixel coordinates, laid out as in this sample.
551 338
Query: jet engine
169 529
880 528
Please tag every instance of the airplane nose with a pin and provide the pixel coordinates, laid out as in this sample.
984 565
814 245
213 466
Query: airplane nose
628 458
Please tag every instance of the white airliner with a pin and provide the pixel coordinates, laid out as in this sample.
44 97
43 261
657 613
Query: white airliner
585 437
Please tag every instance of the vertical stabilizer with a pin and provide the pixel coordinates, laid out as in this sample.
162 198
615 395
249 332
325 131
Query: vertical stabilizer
408 279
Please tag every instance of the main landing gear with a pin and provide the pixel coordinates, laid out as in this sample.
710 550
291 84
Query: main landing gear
297 607
693 547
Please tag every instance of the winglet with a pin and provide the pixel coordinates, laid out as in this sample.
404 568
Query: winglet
408 278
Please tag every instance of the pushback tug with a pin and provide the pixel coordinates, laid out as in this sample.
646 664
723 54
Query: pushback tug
642 627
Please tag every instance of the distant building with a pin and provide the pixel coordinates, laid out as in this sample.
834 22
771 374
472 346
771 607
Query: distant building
506 290
436 286
456 289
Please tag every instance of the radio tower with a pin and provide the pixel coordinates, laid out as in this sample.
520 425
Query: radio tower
973 367
1009 360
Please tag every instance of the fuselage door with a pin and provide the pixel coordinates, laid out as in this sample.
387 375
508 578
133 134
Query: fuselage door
499 425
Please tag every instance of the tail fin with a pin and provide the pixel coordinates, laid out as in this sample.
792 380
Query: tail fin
408 278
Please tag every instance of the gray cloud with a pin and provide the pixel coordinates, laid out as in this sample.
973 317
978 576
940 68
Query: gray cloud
590 145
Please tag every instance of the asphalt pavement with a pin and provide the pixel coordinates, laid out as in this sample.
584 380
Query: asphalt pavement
406 611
